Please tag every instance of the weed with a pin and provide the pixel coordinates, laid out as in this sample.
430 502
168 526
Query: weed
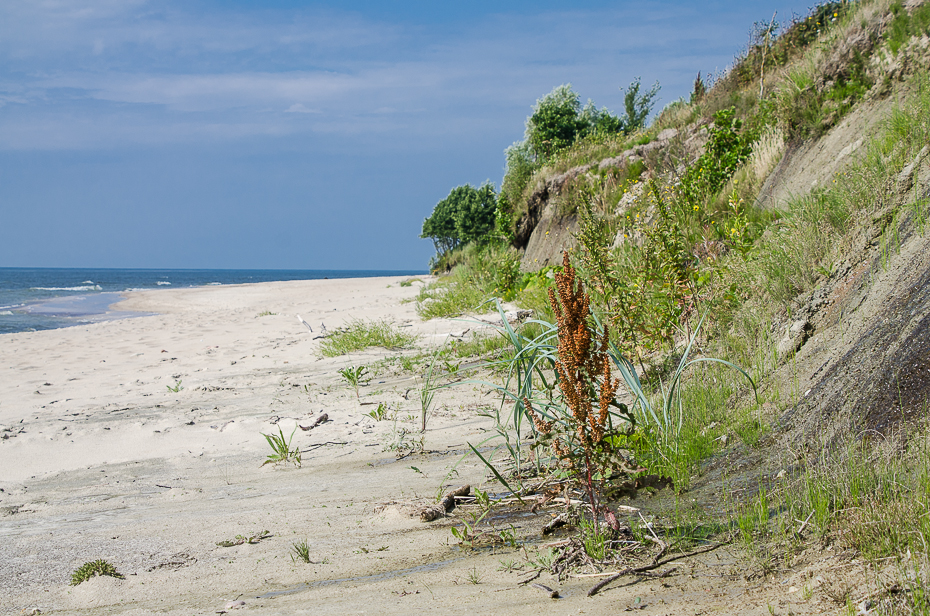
473 576
509 566
380 413
543 559
241 539
176 388
358 335
300 550
355 376
93 569
281 448
409 282
508 536
594 537
426 391
265 313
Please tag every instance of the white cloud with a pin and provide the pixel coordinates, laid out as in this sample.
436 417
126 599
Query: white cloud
300 108
113 72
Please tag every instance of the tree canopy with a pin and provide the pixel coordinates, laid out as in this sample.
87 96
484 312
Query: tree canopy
466 215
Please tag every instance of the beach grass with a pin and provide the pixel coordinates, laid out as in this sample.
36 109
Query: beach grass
360 334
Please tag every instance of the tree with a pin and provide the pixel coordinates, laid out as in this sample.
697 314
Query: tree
600 120
638 107
466 215
555 123
476 213
440 226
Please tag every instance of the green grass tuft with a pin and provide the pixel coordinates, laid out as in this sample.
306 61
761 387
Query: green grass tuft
358 335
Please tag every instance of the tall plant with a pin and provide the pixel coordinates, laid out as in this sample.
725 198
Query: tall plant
588 389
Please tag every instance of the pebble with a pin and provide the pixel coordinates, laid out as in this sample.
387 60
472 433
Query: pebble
234 605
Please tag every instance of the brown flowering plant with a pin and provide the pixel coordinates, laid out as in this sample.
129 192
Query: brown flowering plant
580 437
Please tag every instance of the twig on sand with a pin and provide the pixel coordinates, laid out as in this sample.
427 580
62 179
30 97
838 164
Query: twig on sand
804 525
638 570
318 445
319 421
553 594
444 506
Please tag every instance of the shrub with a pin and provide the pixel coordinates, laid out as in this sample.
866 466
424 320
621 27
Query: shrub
727 148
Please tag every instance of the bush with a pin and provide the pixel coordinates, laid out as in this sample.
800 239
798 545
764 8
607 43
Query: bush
727 148
556 122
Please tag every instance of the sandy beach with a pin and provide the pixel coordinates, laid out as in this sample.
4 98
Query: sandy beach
102 459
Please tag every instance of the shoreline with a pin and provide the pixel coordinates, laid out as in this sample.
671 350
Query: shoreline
103 459
38 299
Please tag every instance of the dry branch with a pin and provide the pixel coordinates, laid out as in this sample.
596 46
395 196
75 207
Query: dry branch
444 506
638 570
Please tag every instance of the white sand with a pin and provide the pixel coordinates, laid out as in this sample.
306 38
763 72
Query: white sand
102 460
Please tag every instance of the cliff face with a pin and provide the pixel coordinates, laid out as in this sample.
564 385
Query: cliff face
550 224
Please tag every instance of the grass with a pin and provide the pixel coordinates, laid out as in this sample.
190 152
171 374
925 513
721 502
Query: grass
300 550
482 273
92 569
282 453
426 389
360 334
873 498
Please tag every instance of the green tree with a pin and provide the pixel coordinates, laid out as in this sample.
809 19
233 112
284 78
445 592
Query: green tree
556 122
638 107
476 213
440 226
600 120
466 215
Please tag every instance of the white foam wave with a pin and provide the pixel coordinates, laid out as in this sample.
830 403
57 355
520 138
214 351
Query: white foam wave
162 282
6 313
95 287
214 284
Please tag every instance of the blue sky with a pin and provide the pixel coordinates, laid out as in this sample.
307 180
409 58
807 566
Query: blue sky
304 135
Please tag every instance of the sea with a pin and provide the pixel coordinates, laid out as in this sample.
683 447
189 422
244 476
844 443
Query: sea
33 299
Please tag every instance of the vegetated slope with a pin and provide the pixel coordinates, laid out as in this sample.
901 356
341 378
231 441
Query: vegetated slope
854 346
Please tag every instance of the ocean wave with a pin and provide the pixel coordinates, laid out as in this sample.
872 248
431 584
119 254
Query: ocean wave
6 313
214 284
162 282
95 287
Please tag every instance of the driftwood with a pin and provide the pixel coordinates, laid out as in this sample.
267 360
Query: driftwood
553 594
444 506
642 570
319 420
556 522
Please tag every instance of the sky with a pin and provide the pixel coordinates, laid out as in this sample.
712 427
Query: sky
280 134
